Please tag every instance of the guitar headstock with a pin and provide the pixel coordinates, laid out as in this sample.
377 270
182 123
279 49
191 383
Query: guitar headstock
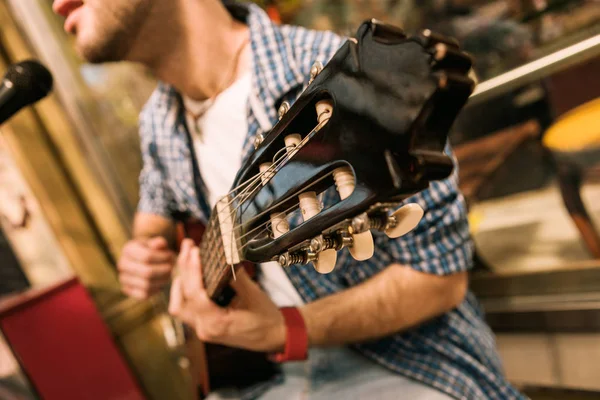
373 124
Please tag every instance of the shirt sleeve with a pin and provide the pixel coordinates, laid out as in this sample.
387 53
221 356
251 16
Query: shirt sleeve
441 243
154 195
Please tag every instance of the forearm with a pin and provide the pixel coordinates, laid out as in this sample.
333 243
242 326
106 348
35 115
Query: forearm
396 299
146 226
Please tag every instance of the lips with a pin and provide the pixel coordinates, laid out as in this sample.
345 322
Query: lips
68 9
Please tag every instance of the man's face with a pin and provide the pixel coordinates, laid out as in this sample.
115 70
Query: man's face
105 29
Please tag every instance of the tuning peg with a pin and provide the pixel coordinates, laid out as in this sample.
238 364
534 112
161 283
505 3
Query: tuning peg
404 220
325 262
315 70
283 109
291 141
324 110
362 247
279 222
309 205
258 139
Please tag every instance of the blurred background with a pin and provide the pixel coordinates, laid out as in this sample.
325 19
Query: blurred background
527 143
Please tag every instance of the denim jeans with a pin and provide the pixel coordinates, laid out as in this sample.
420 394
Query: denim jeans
339 373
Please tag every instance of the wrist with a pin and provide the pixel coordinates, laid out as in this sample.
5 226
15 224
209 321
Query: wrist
278 335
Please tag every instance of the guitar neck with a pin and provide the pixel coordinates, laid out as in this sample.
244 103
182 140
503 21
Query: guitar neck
217 254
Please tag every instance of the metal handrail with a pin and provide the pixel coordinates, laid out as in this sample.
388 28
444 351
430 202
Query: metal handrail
535 70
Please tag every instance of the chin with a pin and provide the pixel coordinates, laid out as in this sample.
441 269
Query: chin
97 43
97 51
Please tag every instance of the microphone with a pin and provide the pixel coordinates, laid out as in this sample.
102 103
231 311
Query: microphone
24 84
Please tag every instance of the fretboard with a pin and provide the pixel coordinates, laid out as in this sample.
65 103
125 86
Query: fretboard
216 269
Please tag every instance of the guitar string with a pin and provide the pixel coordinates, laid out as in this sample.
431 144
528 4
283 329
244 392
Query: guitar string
255 184
258 183
273 168
316 129
296 194
285 158
258 227
220 269
268 173
295 206
255 181
291 196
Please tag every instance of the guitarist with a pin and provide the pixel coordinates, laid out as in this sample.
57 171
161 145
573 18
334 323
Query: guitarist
402 324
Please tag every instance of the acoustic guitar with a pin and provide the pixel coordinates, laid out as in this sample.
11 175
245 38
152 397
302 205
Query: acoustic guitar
372 125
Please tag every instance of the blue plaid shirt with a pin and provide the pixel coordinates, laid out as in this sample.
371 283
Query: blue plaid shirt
454 353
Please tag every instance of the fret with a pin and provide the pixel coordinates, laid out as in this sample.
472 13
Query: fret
212 249
216 270
206 250
218 265
209 252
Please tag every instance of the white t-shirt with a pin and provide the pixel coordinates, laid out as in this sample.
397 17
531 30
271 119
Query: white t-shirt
218 137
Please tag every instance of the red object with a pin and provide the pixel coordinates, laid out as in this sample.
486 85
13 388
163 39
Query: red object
192 229
274 14
64 346
296 343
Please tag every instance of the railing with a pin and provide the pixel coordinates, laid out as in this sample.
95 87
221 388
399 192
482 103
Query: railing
536 70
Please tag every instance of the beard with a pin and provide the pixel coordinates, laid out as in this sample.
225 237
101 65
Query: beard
108 29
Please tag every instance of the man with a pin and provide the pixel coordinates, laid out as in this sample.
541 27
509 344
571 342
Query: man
411 327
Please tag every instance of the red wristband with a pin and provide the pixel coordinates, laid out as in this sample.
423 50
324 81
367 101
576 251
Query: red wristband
296 343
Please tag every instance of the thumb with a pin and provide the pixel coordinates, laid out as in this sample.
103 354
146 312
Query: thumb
176 297
158 243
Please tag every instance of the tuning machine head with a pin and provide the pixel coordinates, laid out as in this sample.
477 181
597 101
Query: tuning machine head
403 220
315 70
283 109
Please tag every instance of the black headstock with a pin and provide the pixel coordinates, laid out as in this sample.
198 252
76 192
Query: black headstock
373 122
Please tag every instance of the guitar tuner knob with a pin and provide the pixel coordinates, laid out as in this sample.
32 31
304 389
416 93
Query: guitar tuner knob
315 70
283 109
279 221
310 206
258 139
324 110
362 247
325 261
404 220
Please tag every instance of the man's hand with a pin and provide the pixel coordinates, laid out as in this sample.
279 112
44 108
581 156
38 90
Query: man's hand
252 321
145 266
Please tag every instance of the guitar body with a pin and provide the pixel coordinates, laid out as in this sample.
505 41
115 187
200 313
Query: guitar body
370 128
